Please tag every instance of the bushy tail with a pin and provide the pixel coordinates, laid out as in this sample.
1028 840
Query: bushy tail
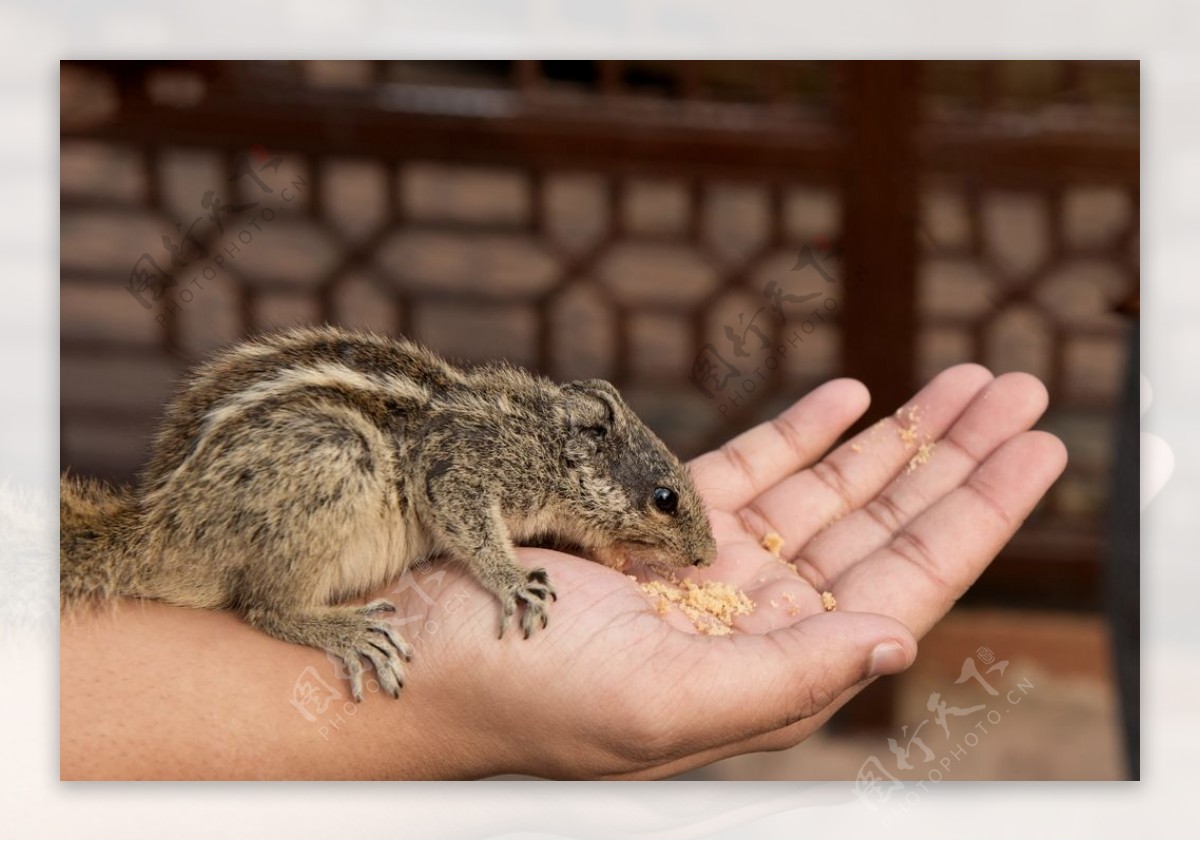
97 525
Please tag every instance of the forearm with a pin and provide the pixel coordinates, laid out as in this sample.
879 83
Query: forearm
150 691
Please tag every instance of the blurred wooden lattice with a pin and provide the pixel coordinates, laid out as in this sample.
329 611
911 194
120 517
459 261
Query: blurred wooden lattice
613 219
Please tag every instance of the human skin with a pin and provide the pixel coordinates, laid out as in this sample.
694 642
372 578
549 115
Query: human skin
610 689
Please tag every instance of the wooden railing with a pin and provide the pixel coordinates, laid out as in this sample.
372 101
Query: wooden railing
627 220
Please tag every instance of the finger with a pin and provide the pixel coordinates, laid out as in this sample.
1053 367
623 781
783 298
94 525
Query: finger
932 561
1008 406
801 506
752 684
967 530
740 470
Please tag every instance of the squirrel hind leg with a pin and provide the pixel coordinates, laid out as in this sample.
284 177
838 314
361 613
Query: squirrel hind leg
350 633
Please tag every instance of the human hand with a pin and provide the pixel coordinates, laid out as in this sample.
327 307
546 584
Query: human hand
610 689
613 689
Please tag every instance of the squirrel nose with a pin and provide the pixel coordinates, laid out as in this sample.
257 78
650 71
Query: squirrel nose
699 562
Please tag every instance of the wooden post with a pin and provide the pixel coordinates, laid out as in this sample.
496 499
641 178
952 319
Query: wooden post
879 240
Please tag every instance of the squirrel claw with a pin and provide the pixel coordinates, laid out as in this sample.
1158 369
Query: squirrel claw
533 595
383 648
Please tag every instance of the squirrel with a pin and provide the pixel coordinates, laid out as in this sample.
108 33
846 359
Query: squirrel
297 470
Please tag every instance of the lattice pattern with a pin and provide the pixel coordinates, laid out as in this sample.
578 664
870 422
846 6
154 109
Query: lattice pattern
612 277
487 222
1029 281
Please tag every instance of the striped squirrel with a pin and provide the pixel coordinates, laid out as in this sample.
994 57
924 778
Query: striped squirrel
298 470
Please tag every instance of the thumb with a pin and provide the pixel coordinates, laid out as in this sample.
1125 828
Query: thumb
795 673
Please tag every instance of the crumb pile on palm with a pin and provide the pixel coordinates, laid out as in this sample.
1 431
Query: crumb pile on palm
710 605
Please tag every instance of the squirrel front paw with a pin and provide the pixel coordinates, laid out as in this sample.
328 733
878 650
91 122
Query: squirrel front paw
534 593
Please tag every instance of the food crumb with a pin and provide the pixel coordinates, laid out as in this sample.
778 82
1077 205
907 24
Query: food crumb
773 543
711 605
856 448
910 432
828 601
774 603
789 598
793 611
921 456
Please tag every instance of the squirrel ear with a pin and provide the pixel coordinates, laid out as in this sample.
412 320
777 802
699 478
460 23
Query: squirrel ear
593 411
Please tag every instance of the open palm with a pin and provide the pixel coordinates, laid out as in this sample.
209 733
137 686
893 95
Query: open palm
611 688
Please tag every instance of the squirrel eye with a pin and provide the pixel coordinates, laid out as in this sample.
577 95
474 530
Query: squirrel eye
666 500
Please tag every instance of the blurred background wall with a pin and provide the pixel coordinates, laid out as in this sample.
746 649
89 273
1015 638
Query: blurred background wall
670 226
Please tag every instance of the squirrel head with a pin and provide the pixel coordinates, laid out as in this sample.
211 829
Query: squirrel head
633 499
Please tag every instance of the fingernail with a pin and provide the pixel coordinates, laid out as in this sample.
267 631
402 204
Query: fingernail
888 658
